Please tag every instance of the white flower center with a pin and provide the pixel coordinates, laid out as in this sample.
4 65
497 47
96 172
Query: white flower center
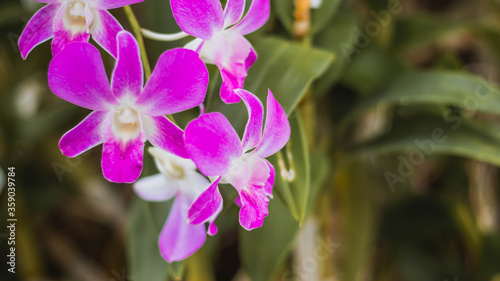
247 170
126 123
77 10
75 19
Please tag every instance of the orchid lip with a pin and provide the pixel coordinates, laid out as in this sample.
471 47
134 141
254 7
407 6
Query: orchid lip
126 123
75 18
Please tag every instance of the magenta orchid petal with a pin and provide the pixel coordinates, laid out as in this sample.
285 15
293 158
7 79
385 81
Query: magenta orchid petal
233 12
122 162
38 30
257 16
254 203
230 82
162 133
212 143
276 131
179 82
127 76
234 66
199 18
112 4
207 205
251 59
253 129
84 136
155 188
268 187
178 239
105 30
77 75
212 229
62 35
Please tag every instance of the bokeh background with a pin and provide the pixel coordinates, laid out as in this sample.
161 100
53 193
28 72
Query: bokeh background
391 172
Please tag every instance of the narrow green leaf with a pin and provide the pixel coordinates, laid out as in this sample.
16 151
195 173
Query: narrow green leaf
425 135
437 88
145 261
293 163
356 188
263 250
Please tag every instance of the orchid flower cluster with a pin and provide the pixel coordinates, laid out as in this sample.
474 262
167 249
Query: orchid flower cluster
126 113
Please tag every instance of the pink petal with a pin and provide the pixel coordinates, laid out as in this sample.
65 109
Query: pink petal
254 210
77 75
155 188
276 131
84 136
212 144
112 4
64 36
208 204
178 239
38 30
162 133
127 77
233 11
122 162
234 66
259 171
200 18
270 181
104 31
230 82
257 16
179 82
251 59
253 129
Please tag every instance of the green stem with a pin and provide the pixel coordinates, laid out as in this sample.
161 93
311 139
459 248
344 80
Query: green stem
137 32
136 27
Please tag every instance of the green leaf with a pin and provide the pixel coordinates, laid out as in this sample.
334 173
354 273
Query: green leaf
355 190
436 88
263 250
145 261
287 69
425 135
320 168
338 37
295 190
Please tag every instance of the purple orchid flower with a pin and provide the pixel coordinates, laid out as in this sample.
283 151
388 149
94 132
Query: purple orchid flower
178 239
215 147
125 114
73 21
220 38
